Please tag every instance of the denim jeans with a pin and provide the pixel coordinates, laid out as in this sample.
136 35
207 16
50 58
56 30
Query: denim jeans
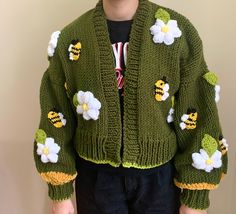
100 192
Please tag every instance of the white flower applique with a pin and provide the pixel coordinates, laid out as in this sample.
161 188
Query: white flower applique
170 117
209 157
165 30
46 147
87 105
53 43
212 79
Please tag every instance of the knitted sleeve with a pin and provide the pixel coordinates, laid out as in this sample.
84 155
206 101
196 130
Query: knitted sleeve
201 159
53 149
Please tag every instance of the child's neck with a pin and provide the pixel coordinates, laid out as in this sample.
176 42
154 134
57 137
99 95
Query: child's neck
120 10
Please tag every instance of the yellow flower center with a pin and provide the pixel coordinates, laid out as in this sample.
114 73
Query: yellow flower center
85 107
165 29
46 151
209 161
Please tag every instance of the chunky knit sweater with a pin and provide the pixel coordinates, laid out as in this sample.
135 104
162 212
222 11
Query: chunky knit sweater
169 104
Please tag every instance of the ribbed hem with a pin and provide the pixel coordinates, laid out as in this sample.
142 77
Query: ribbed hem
196 199
159 151
60 192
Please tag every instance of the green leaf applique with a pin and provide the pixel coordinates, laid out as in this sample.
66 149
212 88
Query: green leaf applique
40 136
163 15
209 144
211 78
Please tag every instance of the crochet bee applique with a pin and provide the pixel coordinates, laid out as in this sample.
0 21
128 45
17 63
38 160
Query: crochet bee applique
212 78
161 89
56 118
87 105
75 50
209 157
53 43
47 148
165 30
223 145
189 120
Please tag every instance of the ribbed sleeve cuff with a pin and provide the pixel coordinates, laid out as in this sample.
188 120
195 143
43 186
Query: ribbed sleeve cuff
60 192
195 199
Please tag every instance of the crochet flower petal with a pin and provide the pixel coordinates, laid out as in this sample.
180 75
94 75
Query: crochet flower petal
86 116
172 24
204 154
169 39
160 23
55 148
80 97
155 29
44 158
93 113
88 96
50 51
217 88
40 148
216 157
53 43
198 161
94 104
177 33
170 117
49 142
159 38
217 93
97 104
209 168
53 158
79 109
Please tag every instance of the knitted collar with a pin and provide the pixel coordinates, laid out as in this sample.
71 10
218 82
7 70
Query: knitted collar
101 31
107 64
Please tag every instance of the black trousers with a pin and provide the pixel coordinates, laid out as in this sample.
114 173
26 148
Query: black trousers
107 193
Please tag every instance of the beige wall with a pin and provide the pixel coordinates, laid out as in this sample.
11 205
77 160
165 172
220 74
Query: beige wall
25 29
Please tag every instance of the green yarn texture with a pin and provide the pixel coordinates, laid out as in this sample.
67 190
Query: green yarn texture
148 140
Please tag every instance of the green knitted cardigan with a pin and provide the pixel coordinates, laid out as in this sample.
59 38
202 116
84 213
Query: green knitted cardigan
148 139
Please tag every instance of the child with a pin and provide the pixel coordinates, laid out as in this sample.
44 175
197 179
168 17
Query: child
129 104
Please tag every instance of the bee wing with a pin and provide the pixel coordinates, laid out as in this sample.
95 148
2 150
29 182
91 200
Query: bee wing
166 87
63 120
184 117
165 96
70 47
182 125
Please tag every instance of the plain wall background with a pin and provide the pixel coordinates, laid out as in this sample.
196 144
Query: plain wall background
26 27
